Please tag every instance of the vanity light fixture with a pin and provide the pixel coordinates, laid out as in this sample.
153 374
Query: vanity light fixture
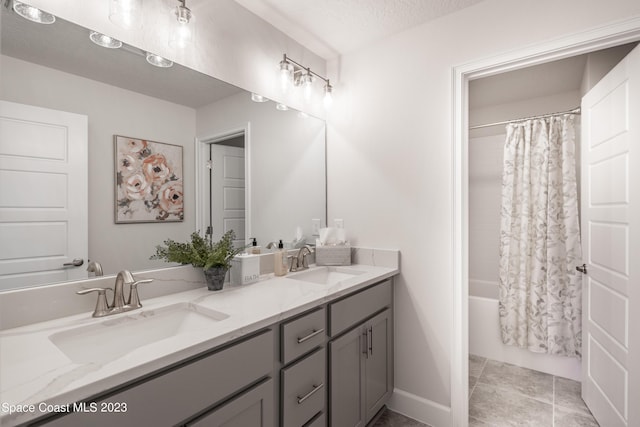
33 14
258 98
126 14
105 41
182 32
158 60
296 74
281 107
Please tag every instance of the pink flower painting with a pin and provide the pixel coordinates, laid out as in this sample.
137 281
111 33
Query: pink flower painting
148 181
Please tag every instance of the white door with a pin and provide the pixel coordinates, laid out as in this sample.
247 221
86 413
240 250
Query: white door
228 192
43 195
611 238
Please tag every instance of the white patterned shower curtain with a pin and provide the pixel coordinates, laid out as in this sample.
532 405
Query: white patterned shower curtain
540 289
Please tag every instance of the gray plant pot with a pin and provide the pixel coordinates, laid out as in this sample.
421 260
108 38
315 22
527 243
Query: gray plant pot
215 278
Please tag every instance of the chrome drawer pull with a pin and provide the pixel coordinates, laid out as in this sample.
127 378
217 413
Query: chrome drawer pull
311 335
308 395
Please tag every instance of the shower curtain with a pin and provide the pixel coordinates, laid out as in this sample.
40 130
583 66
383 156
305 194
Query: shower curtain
540 289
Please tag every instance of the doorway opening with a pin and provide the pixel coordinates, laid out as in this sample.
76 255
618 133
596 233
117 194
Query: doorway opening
222 191
578 44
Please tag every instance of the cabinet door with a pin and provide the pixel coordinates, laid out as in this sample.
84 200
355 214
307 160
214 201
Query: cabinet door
378 366
346 372
254 408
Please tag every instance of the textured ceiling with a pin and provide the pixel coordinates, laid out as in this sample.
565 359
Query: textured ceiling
333 27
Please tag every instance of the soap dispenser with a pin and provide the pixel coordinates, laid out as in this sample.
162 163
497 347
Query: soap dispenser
280 260
254 249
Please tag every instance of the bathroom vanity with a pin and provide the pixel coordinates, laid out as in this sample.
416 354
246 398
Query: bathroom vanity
313 348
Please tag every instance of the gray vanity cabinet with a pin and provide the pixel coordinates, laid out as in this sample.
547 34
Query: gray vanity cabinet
361 360
178 394
253 408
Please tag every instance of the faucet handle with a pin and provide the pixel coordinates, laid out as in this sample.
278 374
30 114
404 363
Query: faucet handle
293 266
134 299
102 307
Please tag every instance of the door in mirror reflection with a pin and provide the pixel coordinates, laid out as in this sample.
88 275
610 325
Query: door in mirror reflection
43 195
227 193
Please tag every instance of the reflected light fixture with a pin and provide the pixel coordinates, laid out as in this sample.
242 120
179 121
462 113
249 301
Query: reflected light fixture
281 107
126 14
286 73
258 98
328 97
182 32
296 74
33 14
104 41
158 60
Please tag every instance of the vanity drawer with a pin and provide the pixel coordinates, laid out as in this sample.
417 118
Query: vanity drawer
303 389
170 398
302 335
351 310
319 420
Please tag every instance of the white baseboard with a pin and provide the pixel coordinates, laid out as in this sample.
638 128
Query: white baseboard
420 409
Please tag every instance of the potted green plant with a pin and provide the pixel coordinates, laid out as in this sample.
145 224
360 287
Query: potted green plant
213 258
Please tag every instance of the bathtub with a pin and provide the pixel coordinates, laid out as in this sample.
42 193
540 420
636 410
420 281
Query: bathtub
485 341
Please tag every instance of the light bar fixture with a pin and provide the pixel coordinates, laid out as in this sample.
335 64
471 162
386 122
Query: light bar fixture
182 31
296 74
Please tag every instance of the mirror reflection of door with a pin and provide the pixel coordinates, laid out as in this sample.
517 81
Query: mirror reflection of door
227 195
43 195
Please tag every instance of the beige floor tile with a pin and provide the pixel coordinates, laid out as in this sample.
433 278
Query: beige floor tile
565 418
476 363
525 381
501 407
568 395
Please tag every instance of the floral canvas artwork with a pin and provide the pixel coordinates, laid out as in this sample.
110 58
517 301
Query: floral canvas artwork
148 181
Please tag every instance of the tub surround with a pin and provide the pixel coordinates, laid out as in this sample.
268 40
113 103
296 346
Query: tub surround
34 370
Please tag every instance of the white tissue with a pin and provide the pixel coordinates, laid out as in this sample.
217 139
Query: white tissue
332 236
299 240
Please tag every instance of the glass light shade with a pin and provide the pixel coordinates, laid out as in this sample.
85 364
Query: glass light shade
307 86
105 41
158 60
281 107
126 14
258 98
286 75
33 14
181 36
328 98
183 14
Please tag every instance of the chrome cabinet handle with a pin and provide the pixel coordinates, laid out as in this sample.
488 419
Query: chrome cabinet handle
311 335
308 395
77 262
370 336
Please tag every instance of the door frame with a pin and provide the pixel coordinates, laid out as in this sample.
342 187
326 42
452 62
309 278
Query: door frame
603 37
202 175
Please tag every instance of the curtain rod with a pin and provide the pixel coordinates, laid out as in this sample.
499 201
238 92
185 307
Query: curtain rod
574 111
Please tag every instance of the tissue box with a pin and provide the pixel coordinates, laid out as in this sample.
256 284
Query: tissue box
245 269
333 255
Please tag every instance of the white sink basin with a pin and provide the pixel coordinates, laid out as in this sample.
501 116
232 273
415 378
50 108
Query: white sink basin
117 336
326 275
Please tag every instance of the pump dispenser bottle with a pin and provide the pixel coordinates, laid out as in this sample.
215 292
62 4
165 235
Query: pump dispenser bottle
280 260
254 249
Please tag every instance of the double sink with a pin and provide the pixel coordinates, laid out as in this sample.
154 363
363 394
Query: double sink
115 337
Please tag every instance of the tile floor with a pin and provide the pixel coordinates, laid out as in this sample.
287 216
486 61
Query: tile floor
501 394
504 395
393 419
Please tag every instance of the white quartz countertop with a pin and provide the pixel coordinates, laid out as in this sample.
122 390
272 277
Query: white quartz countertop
34 371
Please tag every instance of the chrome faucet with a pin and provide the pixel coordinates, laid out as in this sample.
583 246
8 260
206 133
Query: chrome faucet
118 305
95 267
300 262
